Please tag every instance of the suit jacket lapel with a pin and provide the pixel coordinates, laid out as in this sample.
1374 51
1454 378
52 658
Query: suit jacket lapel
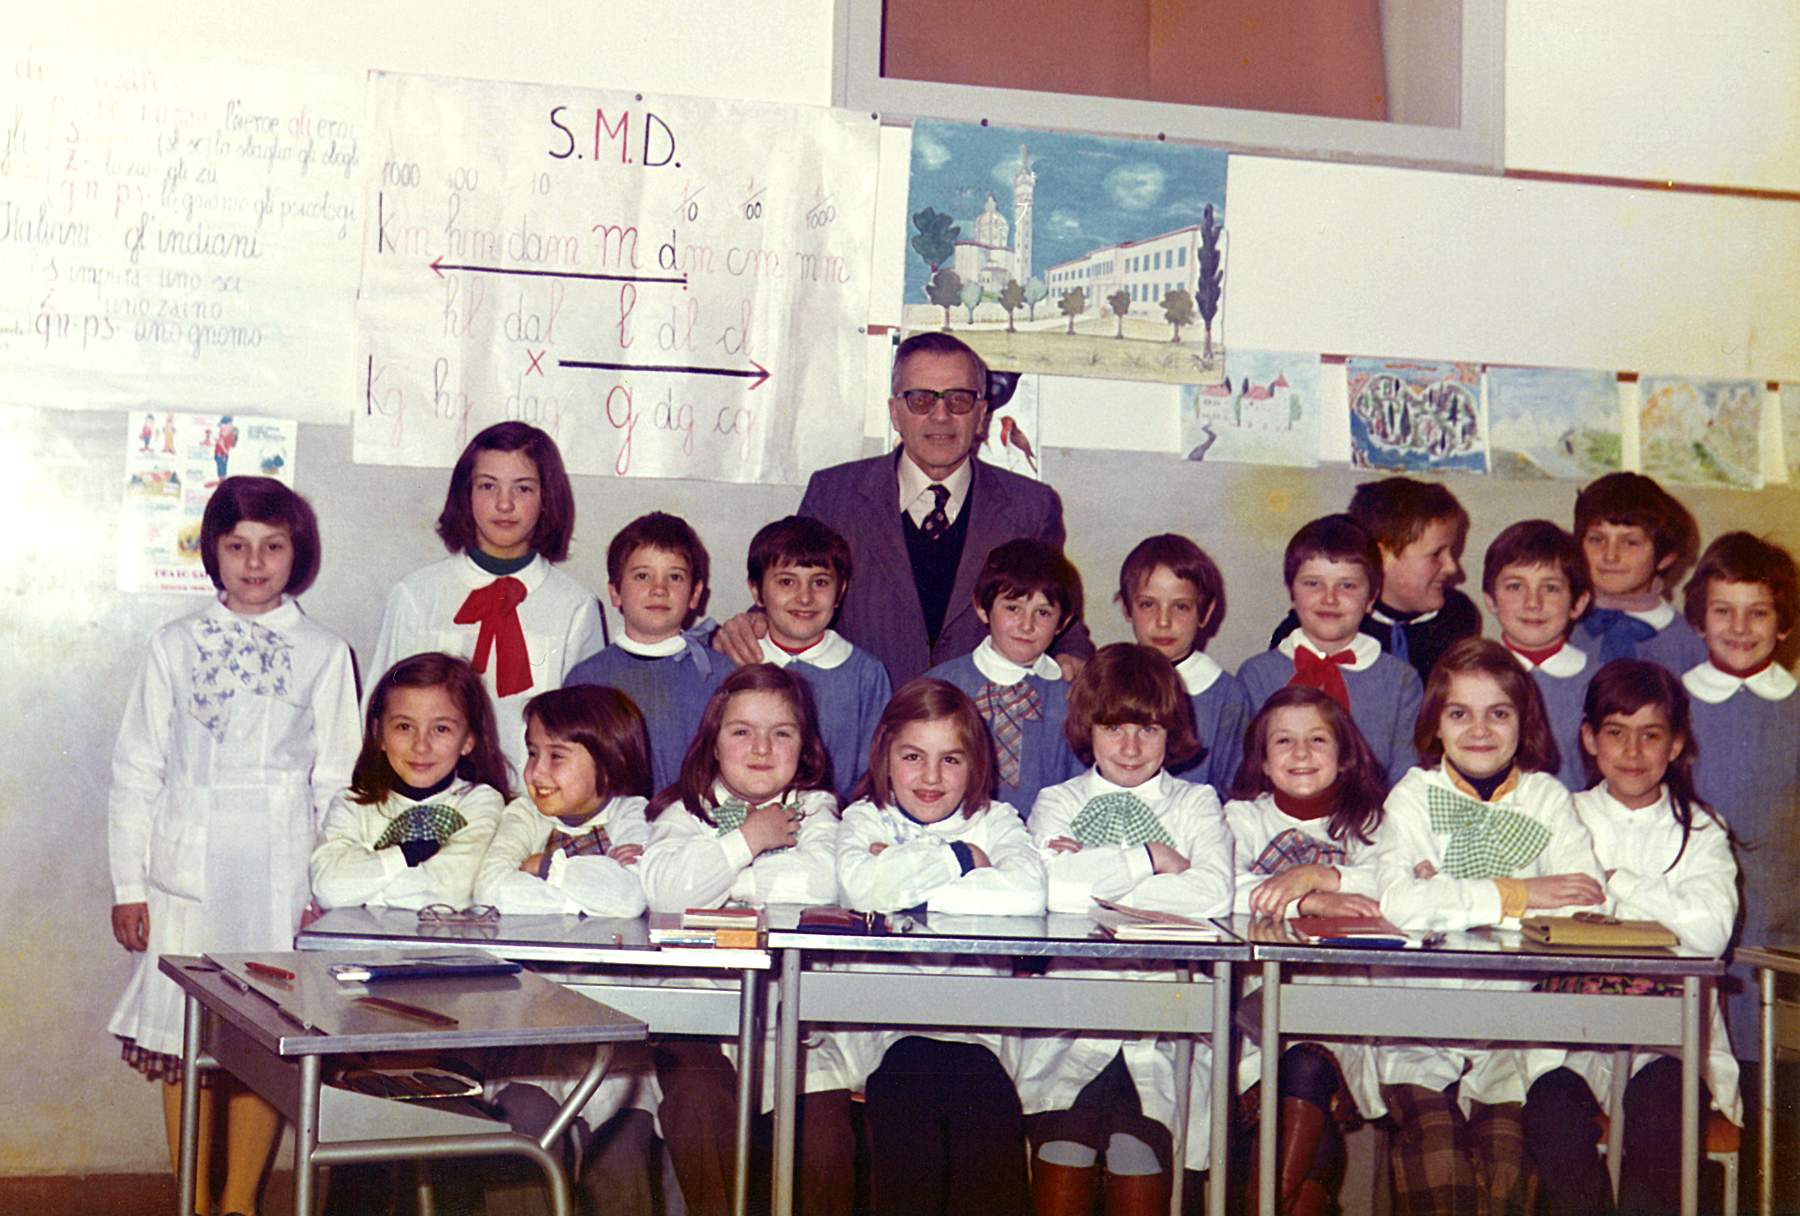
879 489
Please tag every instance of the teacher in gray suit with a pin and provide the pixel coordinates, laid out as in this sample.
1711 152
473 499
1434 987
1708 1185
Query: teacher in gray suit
921 521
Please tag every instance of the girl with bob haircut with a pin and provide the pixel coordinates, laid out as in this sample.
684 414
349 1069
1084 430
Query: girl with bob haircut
1482 832
750 820
946 1131
498 600
241 727
1131 684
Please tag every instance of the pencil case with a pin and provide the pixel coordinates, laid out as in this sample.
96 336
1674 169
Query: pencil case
1590 929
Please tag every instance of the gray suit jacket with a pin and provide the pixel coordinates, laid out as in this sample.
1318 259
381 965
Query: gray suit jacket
881 612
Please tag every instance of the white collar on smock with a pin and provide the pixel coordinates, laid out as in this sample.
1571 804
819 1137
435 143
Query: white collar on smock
653 650
1004 672
1364 650
1772 683
284 615
1198 672
829 652
1567 661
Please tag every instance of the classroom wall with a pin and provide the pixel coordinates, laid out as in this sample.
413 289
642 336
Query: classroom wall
77 643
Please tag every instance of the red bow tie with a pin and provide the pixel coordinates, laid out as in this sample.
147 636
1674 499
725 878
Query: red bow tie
1311 671
496 607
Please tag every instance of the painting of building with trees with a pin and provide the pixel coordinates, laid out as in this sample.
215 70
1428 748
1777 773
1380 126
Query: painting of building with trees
1069 254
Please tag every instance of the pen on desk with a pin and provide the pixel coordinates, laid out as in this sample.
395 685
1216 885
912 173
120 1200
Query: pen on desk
402 1009
281 1010
1366 943
268 969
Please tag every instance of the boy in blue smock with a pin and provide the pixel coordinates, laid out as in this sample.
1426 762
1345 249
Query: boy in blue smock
1333 573
1637 539
1026 595
1174 597
656 571
799 571
1535 583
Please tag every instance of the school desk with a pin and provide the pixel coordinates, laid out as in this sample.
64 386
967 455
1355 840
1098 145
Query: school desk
1486 1014
1782 958
611 961
274 1035
1038 1002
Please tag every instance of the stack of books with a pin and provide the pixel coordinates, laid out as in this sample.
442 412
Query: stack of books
724 928
1128 924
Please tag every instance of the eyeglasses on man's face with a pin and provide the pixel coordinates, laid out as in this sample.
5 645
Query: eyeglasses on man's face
922 401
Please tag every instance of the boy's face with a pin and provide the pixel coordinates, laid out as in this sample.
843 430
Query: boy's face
655 593
1165 613
1535 605
799 602
1621 558
1331 598
1742 626
1415 579
1022 626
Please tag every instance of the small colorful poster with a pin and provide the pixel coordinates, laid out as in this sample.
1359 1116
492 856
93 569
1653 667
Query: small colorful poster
1413 416
1265 411
1790 430
173 463
1552 422
1701 432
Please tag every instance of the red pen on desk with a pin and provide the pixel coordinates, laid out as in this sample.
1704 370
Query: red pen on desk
268 969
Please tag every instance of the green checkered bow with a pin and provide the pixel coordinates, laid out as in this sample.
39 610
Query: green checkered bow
1119 818
1485 841
430 821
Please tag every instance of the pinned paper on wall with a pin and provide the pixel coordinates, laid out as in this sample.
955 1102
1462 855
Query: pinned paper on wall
178 233
1265 411
1790 430
670 286
1701 432
1413 416
1552 422
173 463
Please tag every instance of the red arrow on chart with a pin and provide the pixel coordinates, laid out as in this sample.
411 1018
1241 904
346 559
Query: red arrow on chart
439 266
760 375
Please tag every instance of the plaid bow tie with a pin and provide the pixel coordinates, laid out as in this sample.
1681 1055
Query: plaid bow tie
729 816
1485 841
428 821
1006 709
231 657
591 842
1118 818
1296 848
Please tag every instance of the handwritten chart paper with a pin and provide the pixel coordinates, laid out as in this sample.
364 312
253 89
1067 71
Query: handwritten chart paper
178 233
670 286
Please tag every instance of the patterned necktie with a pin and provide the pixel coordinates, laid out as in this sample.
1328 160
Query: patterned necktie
1006 709
427 821
1619 632
730 814
1486 841
590 842
937 520
231 657
1324 674
1118 818
1296 848
496 607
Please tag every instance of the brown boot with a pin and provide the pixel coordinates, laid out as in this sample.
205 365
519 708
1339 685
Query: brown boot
1302 1124
1062 1190
1137 1194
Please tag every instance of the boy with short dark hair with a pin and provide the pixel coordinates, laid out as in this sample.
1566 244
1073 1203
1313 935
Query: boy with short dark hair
1174 597
1637 538
799 570
1333 571
656 572
1026 595
1535 581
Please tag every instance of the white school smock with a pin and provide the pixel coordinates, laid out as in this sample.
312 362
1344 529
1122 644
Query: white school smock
560 619
1255 825
235 737
585 884
347 868
920 867
1442 902
1697 901
1054 1068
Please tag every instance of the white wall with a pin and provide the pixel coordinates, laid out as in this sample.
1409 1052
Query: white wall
76 643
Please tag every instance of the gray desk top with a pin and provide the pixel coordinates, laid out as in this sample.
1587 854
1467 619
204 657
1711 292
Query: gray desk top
553 939
315 1015
1053 936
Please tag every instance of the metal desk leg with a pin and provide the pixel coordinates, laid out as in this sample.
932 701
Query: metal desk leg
1184 1096
306 1134
190 1105
787 1082
1690 1095
748 1093
1223 1089
1765 1086
1267 1133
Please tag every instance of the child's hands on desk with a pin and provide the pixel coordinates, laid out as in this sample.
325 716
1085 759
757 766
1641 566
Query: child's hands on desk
131 925
1064 844
1273 895
1335 903
1562 891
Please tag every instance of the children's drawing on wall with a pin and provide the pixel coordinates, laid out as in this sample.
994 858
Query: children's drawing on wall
1070 255
1265 411
1552 422
168 484
1790 430
1415 415
1701 432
